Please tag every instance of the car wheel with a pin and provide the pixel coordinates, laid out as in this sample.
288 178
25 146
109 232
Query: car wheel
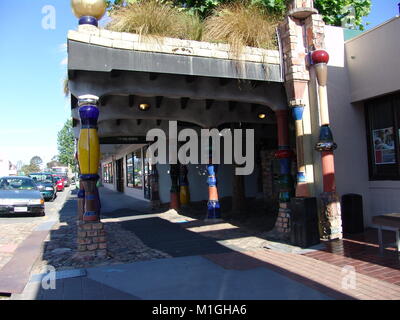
42 214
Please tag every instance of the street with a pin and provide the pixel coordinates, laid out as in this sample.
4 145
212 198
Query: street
14 230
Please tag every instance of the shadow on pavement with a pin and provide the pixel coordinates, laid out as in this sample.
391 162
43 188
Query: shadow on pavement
157 234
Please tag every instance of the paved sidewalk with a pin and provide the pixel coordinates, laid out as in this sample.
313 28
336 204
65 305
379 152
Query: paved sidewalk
208 260
184 278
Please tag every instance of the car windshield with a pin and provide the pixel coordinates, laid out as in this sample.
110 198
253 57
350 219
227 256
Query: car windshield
42 178
16 184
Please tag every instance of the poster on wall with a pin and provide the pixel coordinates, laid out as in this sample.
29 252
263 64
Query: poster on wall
384 146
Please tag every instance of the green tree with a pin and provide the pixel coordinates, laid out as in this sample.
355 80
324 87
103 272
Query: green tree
66 145
33 166
334 12
36 160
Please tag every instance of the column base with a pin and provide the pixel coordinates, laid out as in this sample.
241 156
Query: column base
281 230
184 196
175 203
92 241
213 209
330 216
155 204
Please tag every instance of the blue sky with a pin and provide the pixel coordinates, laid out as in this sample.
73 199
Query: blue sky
32 106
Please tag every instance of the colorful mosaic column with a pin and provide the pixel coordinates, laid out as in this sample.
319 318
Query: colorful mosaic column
184 185
301 186
91 236
213 205
284 154
331 223
174 193
89 156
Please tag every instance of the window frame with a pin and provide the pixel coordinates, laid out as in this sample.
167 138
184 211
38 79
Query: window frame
108 174
394 101
132 156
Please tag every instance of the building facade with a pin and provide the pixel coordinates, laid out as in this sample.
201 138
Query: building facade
323 111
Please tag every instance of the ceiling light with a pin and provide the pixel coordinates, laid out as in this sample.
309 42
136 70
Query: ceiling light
262 115
144 106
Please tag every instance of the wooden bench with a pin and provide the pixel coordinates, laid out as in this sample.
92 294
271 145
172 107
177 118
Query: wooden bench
390 221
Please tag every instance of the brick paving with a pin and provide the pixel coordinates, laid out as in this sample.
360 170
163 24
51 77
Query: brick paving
362 252
377 277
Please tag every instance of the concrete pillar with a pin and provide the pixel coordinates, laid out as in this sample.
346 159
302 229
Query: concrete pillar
267 157
184 195
154 187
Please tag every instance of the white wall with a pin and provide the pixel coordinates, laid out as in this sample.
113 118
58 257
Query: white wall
373 63
374 70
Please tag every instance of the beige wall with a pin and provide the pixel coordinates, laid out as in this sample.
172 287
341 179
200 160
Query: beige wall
370 73
373 61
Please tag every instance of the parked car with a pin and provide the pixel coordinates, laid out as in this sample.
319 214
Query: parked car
46 185
20 195
59 182
66 181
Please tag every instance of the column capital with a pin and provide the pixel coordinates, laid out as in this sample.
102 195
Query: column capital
301 9
88 99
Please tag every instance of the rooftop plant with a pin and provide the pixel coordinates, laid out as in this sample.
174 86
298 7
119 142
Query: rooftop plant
241 24
155 18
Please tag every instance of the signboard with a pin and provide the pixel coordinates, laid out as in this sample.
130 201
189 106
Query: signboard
123 140
384 146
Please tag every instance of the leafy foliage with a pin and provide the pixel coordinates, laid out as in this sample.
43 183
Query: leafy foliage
66 144
334 12
36 160
33 166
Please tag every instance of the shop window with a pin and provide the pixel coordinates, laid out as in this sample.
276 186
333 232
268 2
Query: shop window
383 115
108 176
134 169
